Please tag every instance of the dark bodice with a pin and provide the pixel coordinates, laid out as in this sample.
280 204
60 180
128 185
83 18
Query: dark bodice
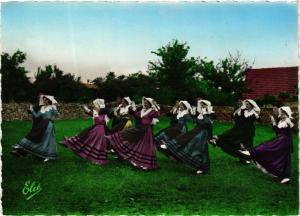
184 119
205 124
283 131
245 123
147 119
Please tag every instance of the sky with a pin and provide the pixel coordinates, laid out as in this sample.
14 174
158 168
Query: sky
90 39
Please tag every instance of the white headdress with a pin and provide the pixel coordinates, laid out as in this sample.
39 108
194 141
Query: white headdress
49 97
287 110
188 109
254 111
254 104
127 99
152 102
124 110
99 103
285 122
206 110
239 109
153 106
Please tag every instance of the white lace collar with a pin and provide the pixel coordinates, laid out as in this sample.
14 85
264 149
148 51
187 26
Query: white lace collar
145 112
47 108
205 111
123 110
96 114
285 123
181 113
248 113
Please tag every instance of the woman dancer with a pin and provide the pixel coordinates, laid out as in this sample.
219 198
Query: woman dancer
137 144
192 148
274 157
90 144
40 141
173 113
121 117
243 131
182 116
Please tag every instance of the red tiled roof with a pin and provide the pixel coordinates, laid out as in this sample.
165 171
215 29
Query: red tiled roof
271 81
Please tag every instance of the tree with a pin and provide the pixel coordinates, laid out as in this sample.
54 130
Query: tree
15 83
67 87
228 75
174 70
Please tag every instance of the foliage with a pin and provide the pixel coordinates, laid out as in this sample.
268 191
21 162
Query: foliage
227 75
269 99
15 83
284 95
171 76
65 86
173 70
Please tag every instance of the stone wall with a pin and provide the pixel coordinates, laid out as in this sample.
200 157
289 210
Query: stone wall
18 111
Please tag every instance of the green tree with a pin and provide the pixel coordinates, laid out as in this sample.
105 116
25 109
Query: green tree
65 86
173 69
15 83
228 75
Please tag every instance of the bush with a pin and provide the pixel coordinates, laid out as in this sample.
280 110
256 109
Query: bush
269 99
284 95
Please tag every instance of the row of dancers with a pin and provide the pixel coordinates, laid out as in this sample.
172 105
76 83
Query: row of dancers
137 144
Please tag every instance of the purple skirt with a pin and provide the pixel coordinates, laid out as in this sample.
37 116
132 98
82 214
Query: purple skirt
90 144
135 145
274 156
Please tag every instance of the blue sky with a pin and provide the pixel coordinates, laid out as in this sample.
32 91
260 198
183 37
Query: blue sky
90 39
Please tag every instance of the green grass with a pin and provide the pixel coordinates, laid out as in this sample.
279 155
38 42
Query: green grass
72 185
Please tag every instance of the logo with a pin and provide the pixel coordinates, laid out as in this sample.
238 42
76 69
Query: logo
30 189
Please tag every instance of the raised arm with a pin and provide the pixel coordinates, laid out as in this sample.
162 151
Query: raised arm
54 111
34 113
87 111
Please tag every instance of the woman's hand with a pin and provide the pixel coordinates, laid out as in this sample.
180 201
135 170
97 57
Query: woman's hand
272 120
31 108
86 108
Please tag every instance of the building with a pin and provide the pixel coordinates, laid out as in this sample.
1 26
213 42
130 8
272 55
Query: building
271 81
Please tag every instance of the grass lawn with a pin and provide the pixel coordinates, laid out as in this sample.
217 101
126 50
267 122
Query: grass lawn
72 185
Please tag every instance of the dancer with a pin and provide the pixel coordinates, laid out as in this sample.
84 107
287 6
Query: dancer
137 144
40 141
182 116
38 126
173 113
274 157
90 144
241 135
192 148
121 117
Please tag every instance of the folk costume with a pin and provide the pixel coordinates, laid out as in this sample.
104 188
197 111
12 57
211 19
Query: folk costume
274 156
242 133
137 144
121 118
181 117
40 141
191 148
90 144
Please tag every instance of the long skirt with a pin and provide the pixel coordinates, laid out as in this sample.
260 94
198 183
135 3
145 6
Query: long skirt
192 149
90 144
230 141
46 148
135 145
39 127
120 124
274 156
167 134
